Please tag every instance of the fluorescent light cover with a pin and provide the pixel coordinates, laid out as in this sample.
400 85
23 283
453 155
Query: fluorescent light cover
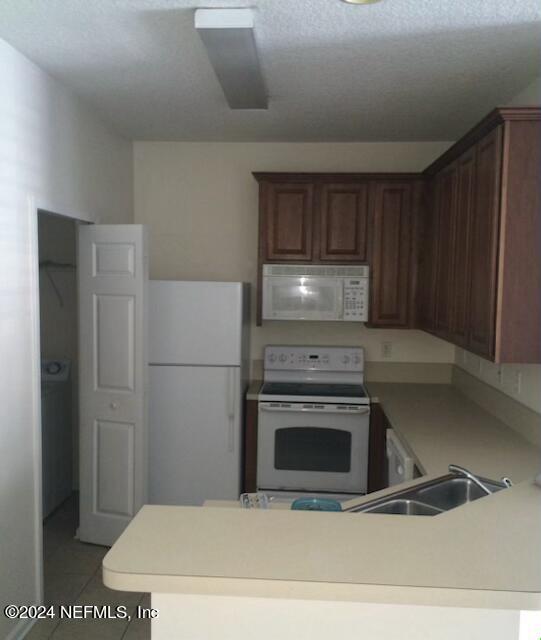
228 35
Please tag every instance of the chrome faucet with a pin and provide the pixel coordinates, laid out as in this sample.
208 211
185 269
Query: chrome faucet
454 468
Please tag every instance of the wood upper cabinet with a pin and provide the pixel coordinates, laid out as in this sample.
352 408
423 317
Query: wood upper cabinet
487 215
344 218
288 221
391 254
426 258
445 213
343 211
465 178
315 222
484 247
453 251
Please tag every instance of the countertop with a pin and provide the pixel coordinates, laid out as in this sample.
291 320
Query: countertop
253 390
482 554
441 426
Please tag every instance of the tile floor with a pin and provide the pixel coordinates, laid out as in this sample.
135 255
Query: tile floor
73 576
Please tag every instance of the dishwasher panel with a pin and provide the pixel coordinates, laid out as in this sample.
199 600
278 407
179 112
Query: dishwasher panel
400 463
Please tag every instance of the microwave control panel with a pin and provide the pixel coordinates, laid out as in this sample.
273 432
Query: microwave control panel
356 299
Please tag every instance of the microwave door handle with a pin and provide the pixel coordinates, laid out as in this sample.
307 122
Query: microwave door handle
290 409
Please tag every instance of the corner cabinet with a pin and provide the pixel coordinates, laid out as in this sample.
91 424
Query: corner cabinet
344 219
480 286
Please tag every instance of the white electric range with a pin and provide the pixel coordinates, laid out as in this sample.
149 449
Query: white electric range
313 424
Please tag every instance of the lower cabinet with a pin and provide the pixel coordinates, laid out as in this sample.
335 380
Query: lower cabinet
377 449
249 458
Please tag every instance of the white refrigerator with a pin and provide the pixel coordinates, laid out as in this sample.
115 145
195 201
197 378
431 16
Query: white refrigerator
198 361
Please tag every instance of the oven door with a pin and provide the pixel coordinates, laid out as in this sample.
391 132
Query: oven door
303 298
304 447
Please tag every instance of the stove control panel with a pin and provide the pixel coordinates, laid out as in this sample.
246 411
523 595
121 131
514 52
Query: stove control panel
287 358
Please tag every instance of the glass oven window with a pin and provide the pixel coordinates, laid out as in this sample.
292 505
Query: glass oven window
312 449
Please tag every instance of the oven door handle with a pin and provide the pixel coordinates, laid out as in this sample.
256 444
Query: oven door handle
301 409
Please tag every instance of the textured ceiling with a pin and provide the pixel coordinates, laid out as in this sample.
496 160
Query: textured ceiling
398 70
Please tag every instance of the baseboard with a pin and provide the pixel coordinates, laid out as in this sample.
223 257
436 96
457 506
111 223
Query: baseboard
519 417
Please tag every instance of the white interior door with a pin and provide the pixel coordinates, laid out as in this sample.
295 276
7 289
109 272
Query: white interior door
113 277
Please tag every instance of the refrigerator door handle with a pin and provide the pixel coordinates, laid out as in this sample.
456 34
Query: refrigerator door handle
231 401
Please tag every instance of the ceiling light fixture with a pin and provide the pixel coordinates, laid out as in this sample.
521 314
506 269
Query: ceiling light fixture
228 35
361 1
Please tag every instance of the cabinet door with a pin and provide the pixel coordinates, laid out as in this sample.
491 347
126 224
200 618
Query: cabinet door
484 232
377 452
288 216
390 254
445 213
427 246
343 222
465 169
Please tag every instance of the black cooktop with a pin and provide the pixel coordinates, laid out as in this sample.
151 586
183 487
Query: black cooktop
313 389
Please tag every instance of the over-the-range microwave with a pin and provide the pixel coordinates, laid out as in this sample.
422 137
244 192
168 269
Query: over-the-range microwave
315 292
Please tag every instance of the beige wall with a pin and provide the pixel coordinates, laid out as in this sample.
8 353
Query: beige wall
200 202
519 381
530 95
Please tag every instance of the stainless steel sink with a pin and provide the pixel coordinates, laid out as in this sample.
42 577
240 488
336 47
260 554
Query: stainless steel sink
405 508
430 498
453 492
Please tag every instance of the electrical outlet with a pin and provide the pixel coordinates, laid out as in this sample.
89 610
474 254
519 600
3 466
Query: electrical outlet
386 350
517 382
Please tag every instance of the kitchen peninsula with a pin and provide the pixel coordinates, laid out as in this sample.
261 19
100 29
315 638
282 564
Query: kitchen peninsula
221 572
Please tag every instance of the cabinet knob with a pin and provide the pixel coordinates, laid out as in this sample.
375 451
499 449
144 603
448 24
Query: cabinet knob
114 405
